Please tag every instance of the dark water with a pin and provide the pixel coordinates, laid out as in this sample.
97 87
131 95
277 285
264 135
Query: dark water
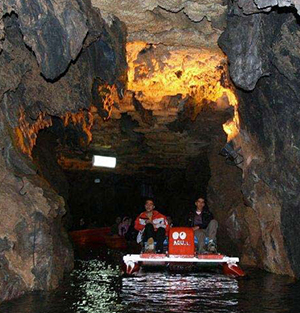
97 286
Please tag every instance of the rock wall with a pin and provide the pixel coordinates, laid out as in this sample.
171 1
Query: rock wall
51 53
263 51
169 22
239 231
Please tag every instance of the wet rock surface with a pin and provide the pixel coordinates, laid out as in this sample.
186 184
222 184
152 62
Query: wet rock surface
248 55
238 222
269 135
35 251
37 21
40 41
169 22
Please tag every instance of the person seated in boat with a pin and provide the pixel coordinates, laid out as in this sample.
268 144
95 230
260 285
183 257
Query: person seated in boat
114 230
204 225
152 226
124 226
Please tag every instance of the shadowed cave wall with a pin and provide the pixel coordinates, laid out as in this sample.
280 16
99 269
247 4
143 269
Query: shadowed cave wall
38 81
264 63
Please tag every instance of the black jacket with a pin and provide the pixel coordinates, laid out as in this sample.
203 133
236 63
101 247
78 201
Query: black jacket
207 216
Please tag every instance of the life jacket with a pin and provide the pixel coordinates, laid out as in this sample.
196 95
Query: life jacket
158 220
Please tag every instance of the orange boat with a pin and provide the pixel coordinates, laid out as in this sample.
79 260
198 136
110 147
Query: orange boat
98 236
115 242
95 236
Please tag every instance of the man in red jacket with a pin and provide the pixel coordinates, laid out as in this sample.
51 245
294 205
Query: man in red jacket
153 226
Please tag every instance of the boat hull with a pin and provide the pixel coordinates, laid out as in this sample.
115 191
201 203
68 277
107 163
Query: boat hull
98 237
133 262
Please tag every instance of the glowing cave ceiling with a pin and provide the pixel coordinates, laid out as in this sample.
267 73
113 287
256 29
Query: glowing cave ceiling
175 104
176 98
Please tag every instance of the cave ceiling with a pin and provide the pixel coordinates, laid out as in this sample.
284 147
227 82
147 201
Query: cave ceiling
175 100
172 23
178 94
173 108
164 140
160 125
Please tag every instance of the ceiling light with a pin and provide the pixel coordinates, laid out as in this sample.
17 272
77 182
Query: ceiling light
103 161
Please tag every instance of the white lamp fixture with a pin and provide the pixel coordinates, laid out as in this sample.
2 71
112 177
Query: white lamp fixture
103 161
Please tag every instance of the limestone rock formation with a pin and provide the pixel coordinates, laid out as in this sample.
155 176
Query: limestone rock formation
169 22
40 41
37 21
248 54
261 4
268 135
35 250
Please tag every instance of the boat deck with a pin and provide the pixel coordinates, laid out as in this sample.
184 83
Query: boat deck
201 258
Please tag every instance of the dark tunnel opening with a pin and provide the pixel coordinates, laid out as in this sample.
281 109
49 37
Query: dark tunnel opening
173 192
98 196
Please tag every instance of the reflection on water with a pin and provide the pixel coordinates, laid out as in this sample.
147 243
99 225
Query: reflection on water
180 293
96 286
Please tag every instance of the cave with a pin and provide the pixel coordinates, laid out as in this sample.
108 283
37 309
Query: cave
192 99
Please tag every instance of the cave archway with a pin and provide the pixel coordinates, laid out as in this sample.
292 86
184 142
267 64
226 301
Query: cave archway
152 87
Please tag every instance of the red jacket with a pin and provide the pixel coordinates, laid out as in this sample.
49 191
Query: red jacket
158 220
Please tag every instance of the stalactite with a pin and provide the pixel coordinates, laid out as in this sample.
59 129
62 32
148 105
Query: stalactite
84 117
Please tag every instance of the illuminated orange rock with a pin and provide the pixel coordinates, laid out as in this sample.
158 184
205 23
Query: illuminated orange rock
26 134
84 117
155 72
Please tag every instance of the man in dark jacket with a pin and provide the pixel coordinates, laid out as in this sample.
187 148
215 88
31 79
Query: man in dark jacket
204 225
